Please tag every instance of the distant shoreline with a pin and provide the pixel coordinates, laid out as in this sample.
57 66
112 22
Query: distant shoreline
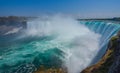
115 18
26 18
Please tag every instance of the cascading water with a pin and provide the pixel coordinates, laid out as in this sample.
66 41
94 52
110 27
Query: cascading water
106 29
57 41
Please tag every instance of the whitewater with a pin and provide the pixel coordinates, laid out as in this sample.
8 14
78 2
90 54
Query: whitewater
57 41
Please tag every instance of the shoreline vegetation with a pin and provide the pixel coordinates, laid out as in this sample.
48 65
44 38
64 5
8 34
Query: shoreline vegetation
43 69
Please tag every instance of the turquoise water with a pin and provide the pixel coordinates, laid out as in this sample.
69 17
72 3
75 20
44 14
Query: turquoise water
106 29
24 54
34 53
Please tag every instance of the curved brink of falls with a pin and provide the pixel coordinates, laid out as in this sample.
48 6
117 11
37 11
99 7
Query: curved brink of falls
106 29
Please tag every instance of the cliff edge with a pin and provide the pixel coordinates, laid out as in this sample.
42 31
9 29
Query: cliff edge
110 62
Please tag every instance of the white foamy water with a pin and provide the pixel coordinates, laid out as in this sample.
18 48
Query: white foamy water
57 41
82 43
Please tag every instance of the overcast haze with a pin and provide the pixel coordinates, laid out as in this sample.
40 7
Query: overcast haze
81 8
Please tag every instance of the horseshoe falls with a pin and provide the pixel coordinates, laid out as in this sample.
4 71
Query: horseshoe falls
56 41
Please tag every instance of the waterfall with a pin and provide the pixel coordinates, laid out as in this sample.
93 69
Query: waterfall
106 29
75 39
58 41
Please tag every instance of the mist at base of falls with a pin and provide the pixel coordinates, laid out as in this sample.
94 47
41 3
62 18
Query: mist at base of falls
56 40
79 44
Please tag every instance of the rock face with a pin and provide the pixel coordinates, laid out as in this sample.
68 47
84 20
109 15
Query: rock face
115 68
110 62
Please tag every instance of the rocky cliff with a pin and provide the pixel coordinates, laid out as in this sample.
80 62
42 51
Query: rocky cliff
110 62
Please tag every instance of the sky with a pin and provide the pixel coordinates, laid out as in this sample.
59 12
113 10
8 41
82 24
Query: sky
81 8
